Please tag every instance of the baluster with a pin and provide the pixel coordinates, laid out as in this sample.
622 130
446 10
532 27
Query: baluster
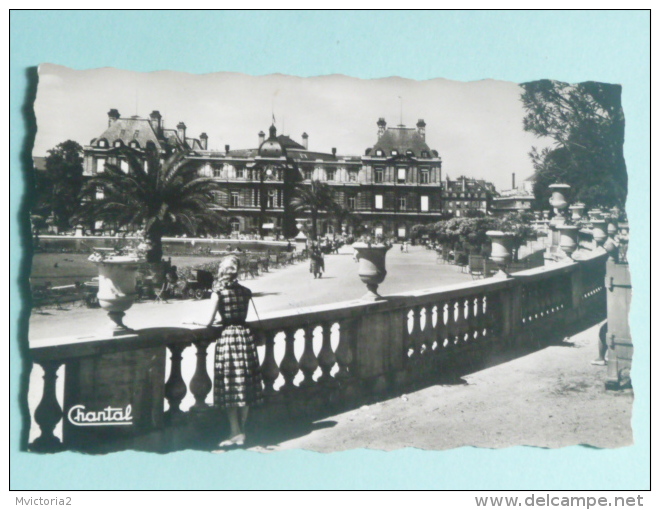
48 413
269 369
458 321
414 341
175 387
200 383
326 356
308 361
441 328
468 315
451 323
429 330
289 365
344 352
486 311
422 341
476 328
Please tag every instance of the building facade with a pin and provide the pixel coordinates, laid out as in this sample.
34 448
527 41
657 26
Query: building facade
396 184
463 196
518 199
136 133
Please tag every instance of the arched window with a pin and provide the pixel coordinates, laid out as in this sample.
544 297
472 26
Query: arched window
134 144
272 194
103 143
379 153
118 143
410 153
395 152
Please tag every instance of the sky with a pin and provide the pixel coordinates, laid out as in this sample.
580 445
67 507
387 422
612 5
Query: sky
476 127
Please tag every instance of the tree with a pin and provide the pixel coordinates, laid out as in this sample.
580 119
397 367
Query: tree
313 199
342 216
469 234
586 123
59 188
161 196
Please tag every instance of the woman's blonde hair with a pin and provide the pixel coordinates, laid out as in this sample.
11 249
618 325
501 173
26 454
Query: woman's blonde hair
228 270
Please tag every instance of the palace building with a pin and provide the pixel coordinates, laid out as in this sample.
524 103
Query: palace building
395 184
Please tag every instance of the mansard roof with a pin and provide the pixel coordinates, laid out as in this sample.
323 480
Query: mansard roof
136 129
288 143
401 139
128 130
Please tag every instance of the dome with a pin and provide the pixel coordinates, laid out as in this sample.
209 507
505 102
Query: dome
271 148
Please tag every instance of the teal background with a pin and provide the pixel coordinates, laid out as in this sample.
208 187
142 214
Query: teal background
572 46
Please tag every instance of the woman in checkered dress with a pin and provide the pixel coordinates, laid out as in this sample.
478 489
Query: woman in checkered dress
237 382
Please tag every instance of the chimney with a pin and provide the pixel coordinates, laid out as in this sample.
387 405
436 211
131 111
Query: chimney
262 137
113 116
381 126
513 180
463 186
226 149
154 120
305 138
181 130
334 151
421 128
204 139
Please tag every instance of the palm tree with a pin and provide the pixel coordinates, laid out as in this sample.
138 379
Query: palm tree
313 198
161 196
342 215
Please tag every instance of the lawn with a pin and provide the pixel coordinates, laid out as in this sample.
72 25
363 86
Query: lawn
68 268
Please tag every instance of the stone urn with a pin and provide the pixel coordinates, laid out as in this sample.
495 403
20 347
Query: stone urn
117 292
612 228
568 235
371 270
501 248
577 211
558 201
595 214
599 230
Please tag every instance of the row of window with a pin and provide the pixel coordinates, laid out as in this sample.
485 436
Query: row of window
381 153
274 198
466 195
103 143
308 173
402 202
466 203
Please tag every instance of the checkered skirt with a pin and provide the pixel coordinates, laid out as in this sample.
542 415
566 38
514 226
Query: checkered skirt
237 380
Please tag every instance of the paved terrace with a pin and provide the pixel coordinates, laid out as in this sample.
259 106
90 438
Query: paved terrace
549 398
280 289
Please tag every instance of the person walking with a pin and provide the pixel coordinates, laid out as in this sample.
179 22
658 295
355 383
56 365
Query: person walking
316 263
237 377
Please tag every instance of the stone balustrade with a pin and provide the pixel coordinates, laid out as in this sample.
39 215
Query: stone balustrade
315 362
